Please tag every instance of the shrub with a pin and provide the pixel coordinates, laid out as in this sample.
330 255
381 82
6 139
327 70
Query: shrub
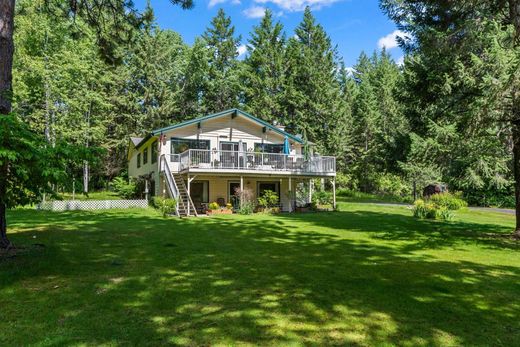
450 201
229 206
126 190
247 201
166 206
269 199
214 206
393 185
438 206
322 197
424 210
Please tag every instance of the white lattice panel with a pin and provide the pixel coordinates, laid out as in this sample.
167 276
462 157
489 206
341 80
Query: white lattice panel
69 205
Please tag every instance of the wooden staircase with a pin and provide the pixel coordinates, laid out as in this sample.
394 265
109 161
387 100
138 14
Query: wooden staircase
177 190
186 206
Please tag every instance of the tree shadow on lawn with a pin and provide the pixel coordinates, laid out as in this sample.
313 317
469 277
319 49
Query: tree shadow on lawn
420 234
137 279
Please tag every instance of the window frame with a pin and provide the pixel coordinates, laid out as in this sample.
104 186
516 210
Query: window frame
262 147
189 144
145 156
276 183
154 151
138 160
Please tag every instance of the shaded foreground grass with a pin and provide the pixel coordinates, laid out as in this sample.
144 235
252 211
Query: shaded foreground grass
369 275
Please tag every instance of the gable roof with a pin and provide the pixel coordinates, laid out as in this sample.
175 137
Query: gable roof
136 140
235 111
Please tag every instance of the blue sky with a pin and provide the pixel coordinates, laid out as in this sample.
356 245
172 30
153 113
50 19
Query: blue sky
353 25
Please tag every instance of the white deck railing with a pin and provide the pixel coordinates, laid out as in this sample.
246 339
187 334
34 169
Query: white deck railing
236 160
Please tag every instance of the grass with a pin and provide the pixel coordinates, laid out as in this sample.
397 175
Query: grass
369 275
357 196
99 195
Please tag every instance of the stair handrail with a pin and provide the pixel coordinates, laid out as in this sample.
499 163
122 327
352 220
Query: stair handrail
173 190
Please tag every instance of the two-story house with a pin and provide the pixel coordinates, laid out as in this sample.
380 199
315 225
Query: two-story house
207 159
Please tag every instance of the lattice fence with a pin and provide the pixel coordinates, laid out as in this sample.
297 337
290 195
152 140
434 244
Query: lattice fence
69 205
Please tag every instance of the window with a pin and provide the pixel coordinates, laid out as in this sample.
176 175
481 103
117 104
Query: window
145 156
138 160
272 186
268 148
179 146
199 192
155 151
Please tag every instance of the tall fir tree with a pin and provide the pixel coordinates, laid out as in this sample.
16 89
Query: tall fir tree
264 70
463 82
313 92
222 88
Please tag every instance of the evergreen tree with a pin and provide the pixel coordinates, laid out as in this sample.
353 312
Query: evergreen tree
463 75
313 92
222 88
264 70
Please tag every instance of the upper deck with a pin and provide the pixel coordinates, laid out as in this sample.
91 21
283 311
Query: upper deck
218 161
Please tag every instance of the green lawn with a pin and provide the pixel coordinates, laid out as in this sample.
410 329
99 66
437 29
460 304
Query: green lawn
99 195
369 275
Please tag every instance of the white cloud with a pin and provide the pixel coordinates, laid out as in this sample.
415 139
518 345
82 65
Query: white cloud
242 49
298 5
213 3
390 41
254 12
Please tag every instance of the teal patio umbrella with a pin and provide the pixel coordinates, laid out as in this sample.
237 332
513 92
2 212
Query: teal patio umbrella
286 146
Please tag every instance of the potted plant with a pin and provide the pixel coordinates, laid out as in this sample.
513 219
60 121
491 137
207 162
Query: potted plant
214 208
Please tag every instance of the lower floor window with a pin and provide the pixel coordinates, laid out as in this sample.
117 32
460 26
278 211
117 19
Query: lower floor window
272 186
199 191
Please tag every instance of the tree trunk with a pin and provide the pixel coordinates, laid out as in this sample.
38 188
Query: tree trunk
86 175
516 168
514 12
6 92
6 55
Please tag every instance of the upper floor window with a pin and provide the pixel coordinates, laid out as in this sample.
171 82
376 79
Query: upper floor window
145 156
182 145
268 148
138 160
155 151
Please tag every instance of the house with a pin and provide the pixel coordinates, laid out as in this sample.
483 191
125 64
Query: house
207 159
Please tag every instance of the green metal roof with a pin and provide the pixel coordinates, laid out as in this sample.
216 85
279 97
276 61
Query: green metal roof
224 113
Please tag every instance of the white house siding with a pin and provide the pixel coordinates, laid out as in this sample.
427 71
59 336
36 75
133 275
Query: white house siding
219 186
226 129
216 130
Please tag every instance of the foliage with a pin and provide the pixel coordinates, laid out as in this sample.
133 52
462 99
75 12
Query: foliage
438 206
214 206
393 185
448 200
166 205
322 197
247 201
229 206
269 199
30 168
127 189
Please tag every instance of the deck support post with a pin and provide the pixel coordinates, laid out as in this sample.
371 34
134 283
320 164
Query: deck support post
241 190
334 192
290 195
146 191
311 184
189 195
